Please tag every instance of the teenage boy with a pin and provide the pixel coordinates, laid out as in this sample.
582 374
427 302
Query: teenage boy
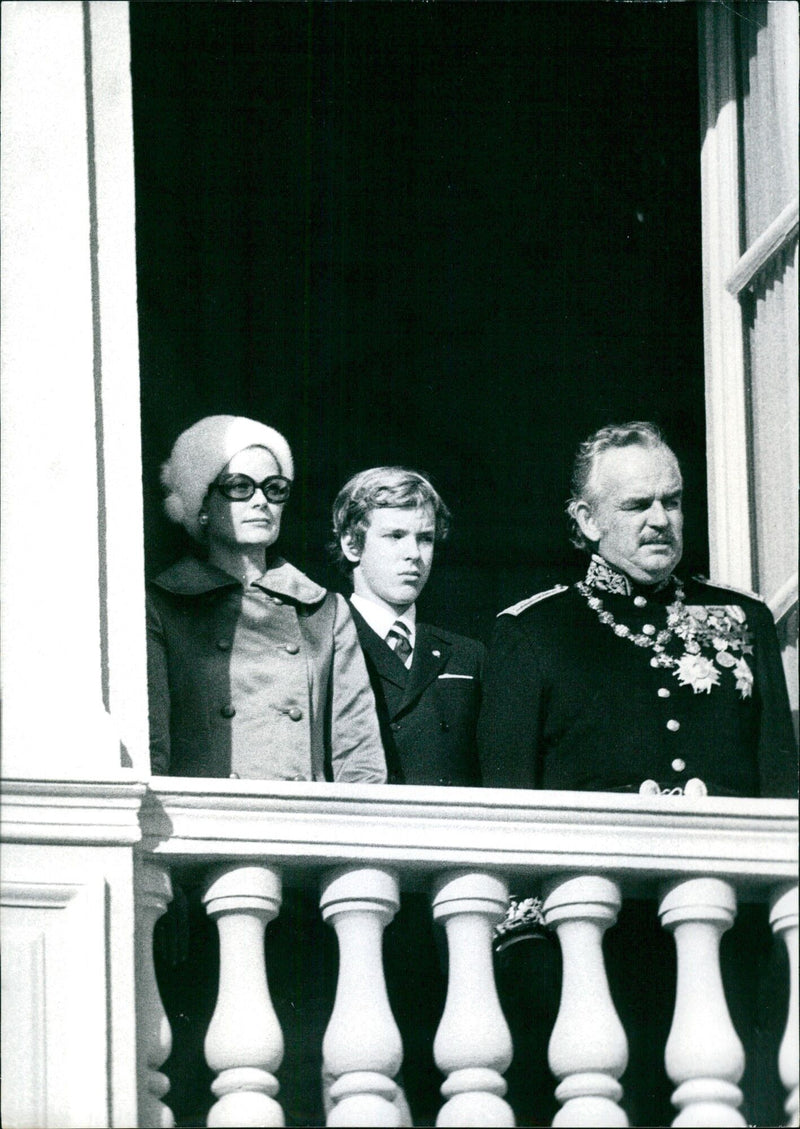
427 686
427 681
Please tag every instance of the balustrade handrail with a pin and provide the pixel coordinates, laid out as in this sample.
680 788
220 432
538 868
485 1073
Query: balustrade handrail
520 834
583 852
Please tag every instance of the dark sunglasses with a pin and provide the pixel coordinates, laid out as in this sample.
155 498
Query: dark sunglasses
241 488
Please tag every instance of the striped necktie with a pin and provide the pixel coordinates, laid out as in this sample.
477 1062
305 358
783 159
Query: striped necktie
399 639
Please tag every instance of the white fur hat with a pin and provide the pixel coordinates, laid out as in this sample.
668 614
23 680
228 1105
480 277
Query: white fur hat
202 451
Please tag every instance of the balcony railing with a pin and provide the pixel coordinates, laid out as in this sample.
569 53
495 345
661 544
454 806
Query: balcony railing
362 845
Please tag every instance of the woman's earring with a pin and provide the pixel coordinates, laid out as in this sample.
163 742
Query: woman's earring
202 519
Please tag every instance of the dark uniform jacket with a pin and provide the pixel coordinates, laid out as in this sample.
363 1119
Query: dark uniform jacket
570 704
428 713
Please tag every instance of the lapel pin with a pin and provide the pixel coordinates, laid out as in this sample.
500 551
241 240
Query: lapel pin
436 654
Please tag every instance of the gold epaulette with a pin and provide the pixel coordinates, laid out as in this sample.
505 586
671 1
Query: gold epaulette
516 609
730 588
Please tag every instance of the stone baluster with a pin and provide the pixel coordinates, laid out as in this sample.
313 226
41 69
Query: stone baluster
154 1038
362 1050
244 1043
784 918
473 1043
588 1049
704 1057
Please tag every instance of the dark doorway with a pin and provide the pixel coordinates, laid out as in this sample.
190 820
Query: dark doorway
458 236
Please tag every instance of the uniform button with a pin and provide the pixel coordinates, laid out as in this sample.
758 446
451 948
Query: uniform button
678 765
276 599
223 645
295 713
640 601
663 692
234 776
673 726
395 725
228 711
291 648
648 629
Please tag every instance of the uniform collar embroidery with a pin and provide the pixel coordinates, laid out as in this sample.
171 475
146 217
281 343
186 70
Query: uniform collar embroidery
605 578
715 639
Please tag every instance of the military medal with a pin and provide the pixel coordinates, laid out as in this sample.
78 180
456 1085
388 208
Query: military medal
720 631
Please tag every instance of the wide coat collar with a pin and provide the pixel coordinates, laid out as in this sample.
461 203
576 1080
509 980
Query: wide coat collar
431 654
192 577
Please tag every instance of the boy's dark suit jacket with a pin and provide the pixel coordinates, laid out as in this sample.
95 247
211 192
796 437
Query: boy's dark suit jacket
428 713
428 716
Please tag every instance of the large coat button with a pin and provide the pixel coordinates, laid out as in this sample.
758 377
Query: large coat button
223 645
228 710
291 648
295 713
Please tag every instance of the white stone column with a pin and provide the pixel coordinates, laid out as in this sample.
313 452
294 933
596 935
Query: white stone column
704 1057
588 1049
362 1050
244 1042
70 390
473 1043
784 918
153 1034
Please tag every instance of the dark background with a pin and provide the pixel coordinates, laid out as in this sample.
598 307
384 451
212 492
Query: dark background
457 236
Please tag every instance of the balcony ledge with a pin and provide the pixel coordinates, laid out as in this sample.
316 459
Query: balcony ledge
78 813
521 834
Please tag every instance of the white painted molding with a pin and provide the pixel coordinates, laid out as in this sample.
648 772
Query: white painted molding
769 243
118 430
782 601
729 520
515 832
74 658
55 1004
33 811
52 665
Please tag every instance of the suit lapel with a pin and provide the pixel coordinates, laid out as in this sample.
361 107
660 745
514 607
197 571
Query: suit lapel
430 657
381 655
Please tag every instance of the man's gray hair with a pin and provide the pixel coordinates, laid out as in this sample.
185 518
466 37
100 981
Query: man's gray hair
638 432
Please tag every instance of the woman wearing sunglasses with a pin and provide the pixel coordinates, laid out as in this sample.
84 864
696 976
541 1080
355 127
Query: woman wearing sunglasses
255 671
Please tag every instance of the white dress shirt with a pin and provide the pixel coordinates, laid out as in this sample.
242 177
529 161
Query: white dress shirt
382 619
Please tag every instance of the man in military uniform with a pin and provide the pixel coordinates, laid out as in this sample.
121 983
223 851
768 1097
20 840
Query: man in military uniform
636 679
